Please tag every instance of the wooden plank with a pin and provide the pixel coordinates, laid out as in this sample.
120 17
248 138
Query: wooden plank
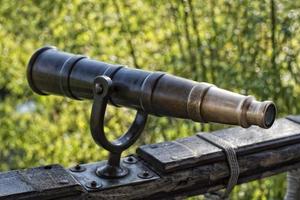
196 168
190 151
48 182
181 183
209 177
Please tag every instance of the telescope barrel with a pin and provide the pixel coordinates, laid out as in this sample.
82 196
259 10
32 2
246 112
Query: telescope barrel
54 72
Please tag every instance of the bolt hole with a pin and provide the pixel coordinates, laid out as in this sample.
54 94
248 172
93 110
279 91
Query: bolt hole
77 167
48 167
93 183
130 159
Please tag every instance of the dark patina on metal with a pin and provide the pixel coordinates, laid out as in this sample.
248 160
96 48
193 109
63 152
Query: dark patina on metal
155 93
138 173
54 72
103 86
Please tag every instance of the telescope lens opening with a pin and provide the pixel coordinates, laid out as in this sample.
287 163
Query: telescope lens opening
270 115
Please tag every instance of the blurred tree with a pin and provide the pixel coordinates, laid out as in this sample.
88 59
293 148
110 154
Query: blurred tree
250 47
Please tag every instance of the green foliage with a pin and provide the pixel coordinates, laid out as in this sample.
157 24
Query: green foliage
250 47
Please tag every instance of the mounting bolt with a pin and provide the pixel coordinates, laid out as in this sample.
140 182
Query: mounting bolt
93 185
98 88
145 175
130 160
77 168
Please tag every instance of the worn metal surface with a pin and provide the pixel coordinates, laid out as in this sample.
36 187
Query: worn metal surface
48 182
138 173
102 88
97 120
54 72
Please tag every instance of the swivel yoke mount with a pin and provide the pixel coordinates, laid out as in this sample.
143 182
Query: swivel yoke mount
103 86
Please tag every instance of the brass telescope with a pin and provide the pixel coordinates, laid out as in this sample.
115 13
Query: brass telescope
54 72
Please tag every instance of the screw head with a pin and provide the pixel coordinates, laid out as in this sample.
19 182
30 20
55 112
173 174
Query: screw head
145 175
93 185
99 88
130 160
77 168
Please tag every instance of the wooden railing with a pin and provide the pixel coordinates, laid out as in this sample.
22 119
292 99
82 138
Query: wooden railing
181 168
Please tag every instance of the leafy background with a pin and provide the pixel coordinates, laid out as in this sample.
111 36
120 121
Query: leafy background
247 46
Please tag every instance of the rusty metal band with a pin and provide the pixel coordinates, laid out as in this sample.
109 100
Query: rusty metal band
110 72
293 185
147 89
242 118
230 153
65 73
195 100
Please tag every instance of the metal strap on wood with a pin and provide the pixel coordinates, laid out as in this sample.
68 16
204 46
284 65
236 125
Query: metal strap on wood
293 185
293 176
229 150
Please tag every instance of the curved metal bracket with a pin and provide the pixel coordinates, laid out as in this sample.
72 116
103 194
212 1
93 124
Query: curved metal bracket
103 86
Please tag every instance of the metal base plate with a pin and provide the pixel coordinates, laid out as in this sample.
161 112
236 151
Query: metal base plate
138 173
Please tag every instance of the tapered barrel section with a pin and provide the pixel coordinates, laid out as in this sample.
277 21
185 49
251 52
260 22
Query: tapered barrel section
55 72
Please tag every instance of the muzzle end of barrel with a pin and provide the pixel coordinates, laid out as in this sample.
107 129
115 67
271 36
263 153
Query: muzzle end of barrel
269 114
262 114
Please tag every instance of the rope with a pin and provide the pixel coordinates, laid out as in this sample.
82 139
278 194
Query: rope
293 185
232 162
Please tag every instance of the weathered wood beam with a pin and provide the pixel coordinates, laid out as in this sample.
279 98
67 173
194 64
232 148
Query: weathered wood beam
185 167
47 182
